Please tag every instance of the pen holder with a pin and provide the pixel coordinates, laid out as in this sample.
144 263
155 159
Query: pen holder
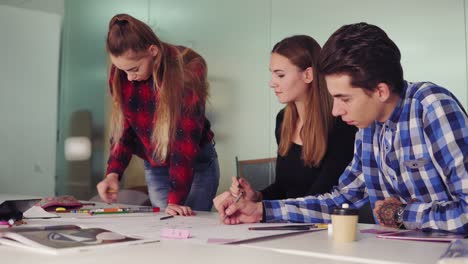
344 222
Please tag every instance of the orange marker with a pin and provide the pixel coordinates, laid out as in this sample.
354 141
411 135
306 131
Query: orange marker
112 210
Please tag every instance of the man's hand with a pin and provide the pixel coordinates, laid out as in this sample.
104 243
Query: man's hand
384 211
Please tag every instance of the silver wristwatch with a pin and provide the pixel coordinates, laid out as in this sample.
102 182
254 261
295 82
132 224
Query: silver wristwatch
399 214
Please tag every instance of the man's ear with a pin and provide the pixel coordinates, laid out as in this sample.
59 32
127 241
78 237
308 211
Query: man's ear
308 75
153 50
383 91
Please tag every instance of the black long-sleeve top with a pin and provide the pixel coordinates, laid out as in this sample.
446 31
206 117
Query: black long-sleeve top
294 179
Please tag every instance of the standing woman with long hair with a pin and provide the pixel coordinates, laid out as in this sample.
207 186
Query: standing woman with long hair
159 93
314 148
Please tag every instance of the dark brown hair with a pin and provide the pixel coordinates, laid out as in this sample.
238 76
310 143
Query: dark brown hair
366 54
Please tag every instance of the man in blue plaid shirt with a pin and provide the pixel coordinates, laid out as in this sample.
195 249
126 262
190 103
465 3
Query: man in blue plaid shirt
411 150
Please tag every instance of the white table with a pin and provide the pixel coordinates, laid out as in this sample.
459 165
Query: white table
315 247
165 252
367 249
300 248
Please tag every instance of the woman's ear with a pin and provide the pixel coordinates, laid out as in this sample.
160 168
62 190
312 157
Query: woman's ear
308 75
153 50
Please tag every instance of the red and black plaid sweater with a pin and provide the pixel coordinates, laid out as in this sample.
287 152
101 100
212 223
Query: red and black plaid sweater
193 132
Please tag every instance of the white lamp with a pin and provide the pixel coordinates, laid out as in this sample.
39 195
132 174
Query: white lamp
77 148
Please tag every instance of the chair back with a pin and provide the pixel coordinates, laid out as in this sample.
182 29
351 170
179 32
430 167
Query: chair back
259 172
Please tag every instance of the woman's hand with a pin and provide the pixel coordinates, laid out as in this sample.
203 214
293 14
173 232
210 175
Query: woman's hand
232 213
249 193
175 209
108 188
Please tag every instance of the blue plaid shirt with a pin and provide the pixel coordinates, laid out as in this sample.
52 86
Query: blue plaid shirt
419 155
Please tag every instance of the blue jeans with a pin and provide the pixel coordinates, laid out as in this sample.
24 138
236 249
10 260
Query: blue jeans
204 185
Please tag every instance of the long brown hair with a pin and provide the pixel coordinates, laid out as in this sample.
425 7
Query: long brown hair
173 74
303 52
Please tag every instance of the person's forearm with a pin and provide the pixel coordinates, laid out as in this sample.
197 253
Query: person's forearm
446 216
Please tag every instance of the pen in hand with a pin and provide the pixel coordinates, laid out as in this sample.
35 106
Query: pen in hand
111 192
237 200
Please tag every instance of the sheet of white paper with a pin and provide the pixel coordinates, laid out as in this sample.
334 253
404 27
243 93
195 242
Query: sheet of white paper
38 212
205 227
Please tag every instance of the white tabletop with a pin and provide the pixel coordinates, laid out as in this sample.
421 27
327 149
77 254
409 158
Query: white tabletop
367 249
315 247
162 252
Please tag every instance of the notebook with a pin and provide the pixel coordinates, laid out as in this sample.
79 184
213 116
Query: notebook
418 235
61 239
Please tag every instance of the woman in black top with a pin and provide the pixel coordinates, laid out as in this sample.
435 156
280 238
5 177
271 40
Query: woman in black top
313 146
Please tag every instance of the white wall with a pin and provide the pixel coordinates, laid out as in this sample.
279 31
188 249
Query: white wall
429 33
49 6
30 44
235 37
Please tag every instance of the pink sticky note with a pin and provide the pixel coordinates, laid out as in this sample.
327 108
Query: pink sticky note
175 233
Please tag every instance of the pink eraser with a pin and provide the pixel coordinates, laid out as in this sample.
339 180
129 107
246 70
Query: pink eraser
175 233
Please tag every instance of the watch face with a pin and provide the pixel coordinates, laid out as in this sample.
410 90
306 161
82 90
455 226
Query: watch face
399 215
400 211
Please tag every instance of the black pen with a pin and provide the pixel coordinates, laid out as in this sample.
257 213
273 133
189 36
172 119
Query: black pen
166 217
237 200
284 227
